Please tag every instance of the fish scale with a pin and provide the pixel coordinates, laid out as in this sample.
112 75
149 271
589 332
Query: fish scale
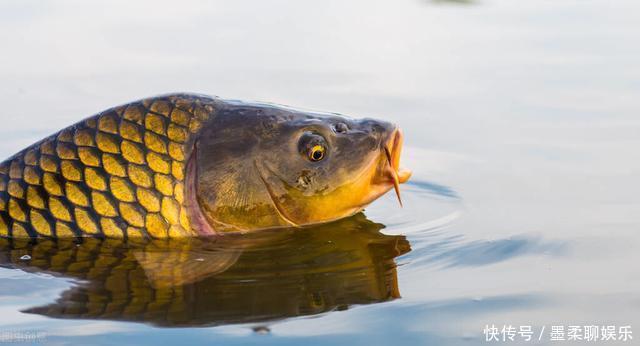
118 174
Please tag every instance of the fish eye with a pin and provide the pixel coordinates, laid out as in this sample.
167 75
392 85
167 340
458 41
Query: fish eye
316 153
313 146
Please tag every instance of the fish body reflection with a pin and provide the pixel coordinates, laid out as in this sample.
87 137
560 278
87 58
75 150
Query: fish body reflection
205 282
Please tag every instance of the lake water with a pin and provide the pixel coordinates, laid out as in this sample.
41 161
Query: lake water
522 127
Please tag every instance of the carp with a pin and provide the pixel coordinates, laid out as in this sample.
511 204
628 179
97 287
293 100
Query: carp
185 165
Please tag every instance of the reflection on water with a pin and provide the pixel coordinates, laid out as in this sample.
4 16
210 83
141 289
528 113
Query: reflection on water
200 282
527 109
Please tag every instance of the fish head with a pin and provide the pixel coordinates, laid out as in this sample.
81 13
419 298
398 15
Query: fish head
262 166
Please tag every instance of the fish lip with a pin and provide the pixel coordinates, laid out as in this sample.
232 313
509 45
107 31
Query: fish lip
391 171
395 143
393 148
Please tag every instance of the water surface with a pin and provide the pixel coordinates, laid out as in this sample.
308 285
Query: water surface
521 125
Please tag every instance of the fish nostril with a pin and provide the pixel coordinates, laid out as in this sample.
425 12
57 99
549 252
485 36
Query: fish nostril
377 129
340 128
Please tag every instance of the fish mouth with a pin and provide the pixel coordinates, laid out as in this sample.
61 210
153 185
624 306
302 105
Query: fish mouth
392 171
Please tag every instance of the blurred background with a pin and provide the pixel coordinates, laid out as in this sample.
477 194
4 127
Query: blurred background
521 120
